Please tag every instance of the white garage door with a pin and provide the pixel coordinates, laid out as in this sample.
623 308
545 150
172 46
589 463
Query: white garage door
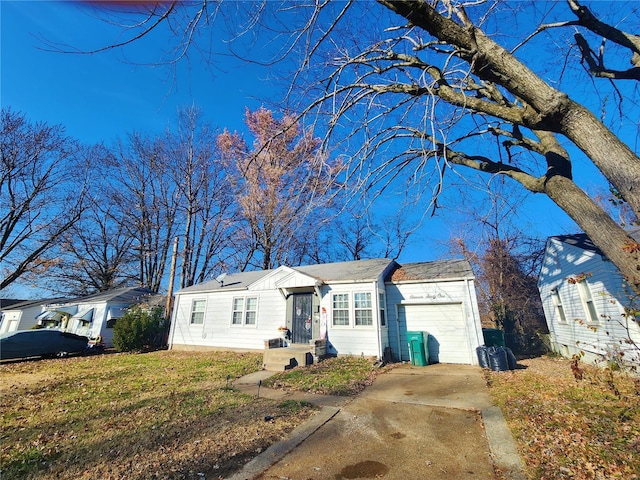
449 338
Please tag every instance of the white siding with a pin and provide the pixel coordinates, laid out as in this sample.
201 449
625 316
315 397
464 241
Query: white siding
352 339
217 330
563 261
447 310
20 319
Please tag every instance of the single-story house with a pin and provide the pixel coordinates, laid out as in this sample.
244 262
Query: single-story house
23 315
584 297
92 316
361 307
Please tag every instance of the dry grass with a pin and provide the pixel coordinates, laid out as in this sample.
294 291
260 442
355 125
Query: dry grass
173 415
157 415
343 376
569 428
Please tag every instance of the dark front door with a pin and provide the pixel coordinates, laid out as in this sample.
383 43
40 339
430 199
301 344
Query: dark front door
301 331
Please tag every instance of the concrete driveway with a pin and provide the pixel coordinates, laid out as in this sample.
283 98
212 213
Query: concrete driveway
412 423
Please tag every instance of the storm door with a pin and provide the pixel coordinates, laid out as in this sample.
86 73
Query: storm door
302 306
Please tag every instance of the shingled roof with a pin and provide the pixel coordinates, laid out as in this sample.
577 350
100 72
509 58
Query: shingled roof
581 240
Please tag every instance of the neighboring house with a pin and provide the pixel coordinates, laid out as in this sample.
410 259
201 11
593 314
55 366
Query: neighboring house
360 308
584 298
22 315
92 316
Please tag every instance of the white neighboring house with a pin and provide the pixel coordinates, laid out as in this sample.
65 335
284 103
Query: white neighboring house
92 316
23 315
584 298
361 308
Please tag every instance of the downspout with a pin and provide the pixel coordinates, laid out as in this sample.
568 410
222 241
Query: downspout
479 337
376 305
398 333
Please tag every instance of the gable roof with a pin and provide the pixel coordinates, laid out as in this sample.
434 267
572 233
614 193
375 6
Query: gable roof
32 303
128 295
437 270
352 272
582 241
355 271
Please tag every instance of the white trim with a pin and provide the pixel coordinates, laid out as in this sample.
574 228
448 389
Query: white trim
244 311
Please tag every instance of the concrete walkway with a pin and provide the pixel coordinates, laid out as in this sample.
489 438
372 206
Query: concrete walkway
412 423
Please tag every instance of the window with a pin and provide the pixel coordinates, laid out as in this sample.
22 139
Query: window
251 311
362 305
557 303
587 301
245 311
238 308
340 309
383 312
197 312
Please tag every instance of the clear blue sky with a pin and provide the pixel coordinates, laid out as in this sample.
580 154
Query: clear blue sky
103 96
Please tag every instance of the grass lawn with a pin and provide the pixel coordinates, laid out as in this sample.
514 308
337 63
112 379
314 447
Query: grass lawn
175 415
155 415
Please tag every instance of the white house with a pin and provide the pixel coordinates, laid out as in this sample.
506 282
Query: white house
362 307
584 298
92 316
23 315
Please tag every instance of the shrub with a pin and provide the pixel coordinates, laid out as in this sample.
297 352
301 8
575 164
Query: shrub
139 328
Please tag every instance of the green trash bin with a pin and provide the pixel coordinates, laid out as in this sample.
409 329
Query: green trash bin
418 352
493 337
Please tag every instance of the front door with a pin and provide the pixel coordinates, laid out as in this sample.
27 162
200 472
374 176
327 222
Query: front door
302 307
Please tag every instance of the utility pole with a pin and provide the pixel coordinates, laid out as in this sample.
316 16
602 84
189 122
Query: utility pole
172 274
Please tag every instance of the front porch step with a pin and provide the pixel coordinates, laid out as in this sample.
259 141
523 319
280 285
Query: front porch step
286 358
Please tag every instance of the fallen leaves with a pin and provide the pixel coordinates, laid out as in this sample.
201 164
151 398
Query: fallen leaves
571 428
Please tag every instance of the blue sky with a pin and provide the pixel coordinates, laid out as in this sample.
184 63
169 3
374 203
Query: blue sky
103 96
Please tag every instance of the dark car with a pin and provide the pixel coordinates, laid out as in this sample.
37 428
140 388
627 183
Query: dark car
40 343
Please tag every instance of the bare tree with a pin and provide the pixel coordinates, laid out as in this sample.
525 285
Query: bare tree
95 254
437 85
143 188
206 201
282 185
42 192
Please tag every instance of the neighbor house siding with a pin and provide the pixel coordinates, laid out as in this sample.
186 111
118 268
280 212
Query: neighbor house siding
20 319
563 264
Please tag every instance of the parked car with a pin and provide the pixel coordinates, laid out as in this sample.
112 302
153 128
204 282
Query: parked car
40 343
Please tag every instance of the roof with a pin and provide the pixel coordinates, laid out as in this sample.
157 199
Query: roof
582 241
355 272
126 295
32 303
437 270
359 271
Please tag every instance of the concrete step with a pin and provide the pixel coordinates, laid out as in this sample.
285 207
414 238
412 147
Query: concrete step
279 359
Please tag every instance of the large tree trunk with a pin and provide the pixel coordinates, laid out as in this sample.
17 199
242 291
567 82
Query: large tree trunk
598 225
545 108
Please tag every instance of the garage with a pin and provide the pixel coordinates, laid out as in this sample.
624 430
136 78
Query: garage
449 340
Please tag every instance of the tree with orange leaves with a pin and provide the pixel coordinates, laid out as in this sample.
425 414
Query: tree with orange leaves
283 183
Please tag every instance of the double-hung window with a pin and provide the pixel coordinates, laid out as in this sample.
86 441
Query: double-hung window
587 301
362 308
340 309
357 306
245 311
197 312
557 303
